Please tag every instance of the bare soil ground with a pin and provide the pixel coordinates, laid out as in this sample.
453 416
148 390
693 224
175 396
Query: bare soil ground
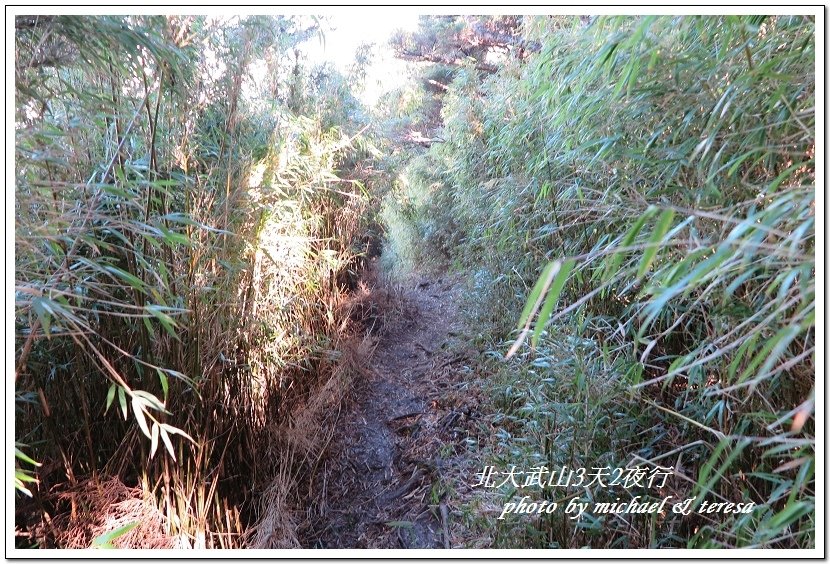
400 437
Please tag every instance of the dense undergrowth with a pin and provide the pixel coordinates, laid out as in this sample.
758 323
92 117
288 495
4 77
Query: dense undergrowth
632 201
185 237
645 189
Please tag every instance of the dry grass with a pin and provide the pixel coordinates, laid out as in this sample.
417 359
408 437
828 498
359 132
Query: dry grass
96 507
298 446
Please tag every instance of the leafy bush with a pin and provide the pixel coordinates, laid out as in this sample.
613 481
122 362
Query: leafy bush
179 248
660 172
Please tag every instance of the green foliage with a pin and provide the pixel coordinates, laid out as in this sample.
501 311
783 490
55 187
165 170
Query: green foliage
670 161
177 254
22 476
104 541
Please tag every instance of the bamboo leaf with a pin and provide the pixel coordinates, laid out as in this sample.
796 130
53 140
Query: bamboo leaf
613 263
19 454
166 321
154 439
110 396
535 294
164 383
104 541
122 400
167 444
44 311
662 227
138 410
550 300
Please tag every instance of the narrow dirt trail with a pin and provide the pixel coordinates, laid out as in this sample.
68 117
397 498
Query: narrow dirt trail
379 485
